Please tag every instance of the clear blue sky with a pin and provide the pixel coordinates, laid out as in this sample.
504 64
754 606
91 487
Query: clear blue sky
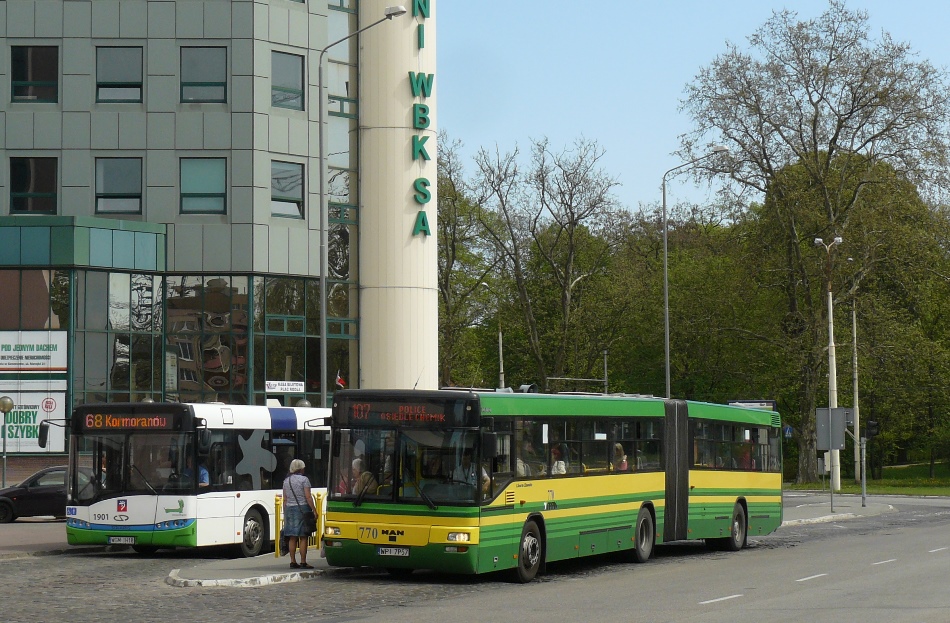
614 71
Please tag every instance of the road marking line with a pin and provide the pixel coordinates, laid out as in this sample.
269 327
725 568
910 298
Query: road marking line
939 549
712 601
812 577
883 562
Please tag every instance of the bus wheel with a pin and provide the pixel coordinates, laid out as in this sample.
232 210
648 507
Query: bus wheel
529 555
253 542
738 530
645 536
146 550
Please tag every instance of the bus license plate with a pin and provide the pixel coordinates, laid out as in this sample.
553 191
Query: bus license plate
122 540
393 551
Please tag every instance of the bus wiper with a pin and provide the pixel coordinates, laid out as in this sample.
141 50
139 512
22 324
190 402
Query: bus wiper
360 496
147 483
426 498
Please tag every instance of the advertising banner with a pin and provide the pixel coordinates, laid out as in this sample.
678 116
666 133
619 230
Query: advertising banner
23 422
33 352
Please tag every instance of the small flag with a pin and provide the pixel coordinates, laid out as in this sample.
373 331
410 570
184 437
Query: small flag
339 380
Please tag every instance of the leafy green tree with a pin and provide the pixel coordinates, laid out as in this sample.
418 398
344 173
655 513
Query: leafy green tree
466 263
810 114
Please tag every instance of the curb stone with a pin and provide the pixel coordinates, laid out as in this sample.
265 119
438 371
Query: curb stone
173 579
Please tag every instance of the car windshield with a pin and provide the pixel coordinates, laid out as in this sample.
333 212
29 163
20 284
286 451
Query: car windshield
432 467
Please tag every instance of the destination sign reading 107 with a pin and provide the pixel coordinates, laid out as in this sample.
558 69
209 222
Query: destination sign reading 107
414 414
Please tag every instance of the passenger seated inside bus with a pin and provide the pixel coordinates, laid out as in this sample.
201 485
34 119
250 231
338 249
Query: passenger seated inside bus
619 462
558 464
362 479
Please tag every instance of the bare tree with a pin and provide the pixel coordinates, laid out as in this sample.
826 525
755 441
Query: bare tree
559 214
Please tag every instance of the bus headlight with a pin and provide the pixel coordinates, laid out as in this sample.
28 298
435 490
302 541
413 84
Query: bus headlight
459 537
332 531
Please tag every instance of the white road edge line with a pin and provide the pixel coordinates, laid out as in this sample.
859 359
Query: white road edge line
812 577
883 562
712 601
939 549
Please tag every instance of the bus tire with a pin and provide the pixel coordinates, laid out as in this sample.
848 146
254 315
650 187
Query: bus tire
529 553
738 530
644 536
252 539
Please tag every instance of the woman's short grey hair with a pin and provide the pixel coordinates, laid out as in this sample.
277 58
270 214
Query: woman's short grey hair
296 466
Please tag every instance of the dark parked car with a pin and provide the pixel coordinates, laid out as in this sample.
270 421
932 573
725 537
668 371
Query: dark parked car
43 493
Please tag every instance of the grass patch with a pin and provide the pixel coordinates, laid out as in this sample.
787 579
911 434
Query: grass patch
897 480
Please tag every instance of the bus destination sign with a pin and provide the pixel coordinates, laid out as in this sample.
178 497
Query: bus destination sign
111 421
421 414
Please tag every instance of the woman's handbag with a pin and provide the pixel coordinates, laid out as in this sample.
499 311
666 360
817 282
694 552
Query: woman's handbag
309 519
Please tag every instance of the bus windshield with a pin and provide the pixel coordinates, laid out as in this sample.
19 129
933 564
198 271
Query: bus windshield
136 463
432 467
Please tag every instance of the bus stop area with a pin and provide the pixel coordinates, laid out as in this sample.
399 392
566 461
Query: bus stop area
43 537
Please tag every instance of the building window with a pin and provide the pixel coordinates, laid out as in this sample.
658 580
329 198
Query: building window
203 185
33 185
204 75
118 74
118 185
286 189
35 73
286 81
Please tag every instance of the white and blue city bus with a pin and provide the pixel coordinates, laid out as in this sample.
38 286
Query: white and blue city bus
151 495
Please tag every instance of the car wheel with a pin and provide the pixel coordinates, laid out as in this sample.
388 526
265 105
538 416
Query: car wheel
6 512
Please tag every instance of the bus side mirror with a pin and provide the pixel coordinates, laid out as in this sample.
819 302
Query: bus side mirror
489 445
204 441
44 433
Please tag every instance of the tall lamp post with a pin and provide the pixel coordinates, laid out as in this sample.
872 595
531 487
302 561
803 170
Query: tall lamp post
854 367
6 406
501 352
389 13
718 149
832 364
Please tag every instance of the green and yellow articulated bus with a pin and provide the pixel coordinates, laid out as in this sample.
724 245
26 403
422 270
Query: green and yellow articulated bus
465 481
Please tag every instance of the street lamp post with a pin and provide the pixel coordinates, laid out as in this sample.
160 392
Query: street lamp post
6 406
832 364
718 149
501 352
389 13
854 365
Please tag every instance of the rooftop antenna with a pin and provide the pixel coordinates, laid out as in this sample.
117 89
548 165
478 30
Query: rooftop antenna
420 377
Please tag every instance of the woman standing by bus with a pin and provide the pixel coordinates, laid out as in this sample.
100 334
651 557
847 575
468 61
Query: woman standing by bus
298 502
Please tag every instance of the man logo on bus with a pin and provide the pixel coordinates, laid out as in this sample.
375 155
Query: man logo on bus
122 506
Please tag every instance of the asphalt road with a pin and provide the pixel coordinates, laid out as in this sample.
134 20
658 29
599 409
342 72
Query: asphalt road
890 567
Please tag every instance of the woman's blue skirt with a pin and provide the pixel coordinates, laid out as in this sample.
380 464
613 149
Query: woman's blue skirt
293 521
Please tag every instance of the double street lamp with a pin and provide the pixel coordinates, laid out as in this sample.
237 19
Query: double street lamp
718 149
389 13
832 364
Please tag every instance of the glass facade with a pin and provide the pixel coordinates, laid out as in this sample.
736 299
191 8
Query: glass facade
136 332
